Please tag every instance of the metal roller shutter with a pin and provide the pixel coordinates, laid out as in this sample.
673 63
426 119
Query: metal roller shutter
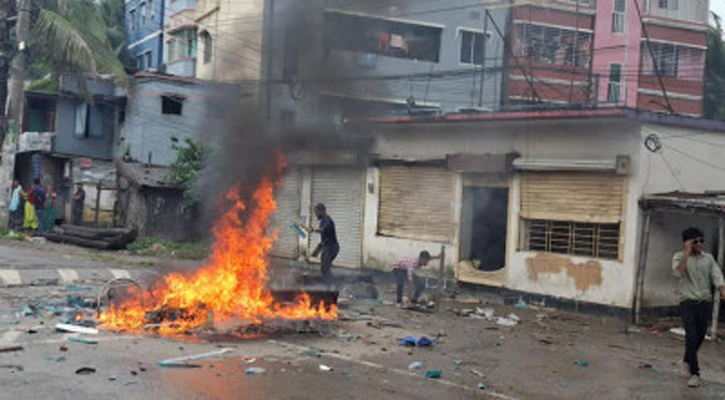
577 197
288 210
416 202
341 191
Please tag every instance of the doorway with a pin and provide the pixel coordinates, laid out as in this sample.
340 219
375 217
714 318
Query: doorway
483 232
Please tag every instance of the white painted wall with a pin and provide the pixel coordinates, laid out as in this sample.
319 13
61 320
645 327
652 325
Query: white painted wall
583 139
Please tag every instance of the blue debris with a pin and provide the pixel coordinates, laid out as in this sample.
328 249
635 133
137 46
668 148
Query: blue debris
582 363
255 371
27 311
424 342
481 385
76 288
409 341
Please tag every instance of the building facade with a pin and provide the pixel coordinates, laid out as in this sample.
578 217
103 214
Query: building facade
180 38
145 31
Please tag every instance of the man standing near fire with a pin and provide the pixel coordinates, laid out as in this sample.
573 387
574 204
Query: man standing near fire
329 247
698 273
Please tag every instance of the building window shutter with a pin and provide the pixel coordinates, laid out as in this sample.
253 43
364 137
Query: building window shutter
416 203
576 197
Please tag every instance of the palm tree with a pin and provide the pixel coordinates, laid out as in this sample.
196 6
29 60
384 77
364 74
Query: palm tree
71 37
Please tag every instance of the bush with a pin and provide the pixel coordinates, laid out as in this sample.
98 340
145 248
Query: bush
158 247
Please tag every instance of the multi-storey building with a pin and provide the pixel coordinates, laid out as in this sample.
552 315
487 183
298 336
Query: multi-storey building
644 54
144 32
180 38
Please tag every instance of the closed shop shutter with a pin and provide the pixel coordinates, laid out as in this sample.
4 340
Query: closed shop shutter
573 196
288 211
416 202
341 191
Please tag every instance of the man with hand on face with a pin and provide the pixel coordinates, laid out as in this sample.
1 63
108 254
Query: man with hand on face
698 273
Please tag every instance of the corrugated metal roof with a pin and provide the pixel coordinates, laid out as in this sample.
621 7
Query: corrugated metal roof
145 175
703 203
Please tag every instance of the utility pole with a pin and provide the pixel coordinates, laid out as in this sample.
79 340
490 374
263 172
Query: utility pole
14 110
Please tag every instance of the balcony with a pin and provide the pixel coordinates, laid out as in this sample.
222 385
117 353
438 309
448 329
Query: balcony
678 11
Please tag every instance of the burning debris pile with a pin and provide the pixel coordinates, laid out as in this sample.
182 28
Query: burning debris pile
231 287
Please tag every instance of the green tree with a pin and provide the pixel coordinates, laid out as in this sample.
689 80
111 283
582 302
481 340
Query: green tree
184 171
73 36
715 72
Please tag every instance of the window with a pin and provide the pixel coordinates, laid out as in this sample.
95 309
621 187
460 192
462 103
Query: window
148 59
190 36
171 49
81 120
665 56
131 21
139 62
618 16
556 46
668 4
208 44
472 47
615 83
172 104
142 7
382 36
152 11
574 238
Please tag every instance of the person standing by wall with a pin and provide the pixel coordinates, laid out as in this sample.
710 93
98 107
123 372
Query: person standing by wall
39 194
16 206
79 200
698 273
51 200
30 220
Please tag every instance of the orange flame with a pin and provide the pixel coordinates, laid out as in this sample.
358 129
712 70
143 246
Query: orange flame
233 285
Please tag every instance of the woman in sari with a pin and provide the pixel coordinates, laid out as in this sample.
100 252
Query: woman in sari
51 199
30 220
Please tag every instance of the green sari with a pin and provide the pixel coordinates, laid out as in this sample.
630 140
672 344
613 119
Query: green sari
50 200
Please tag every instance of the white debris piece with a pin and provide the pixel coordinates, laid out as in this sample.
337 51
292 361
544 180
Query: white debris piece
76 329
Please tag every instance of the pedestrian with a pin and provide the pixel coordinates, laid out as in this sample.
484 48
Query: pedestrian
404 274
79 199
30 220
39 201
16 206
329 246
698 273
51 200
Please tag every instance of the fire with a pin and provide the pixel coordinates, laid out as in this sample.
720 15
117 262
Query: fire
232 286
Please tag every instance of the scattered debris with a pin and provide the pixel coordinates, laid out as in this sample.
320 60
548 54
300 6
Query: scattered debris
564 384
633 329
649 366
181 361
478 373
10 348
27 311
75 288
311 353
481 385
112 378
582 363
63 348
129 383
85 371
416 365
521 304
457 363
433 374
678 331
255 371
325 368
249 361
411 341
16 367
82 340
76 329
504 321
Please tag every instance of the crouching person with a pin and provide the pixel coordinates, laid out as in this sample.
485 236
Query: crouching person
404 274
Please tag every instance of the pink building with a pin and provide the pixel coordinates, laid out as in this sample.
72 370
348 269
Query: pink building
608 51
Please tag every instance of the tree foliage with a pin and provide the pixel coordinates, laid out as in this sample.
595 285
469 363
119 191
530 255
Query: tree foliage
715 73
185 169
72 36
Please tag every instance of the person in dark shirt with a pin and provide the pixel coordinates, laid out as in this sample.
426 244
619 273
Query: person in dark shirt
39 203
79 199
329 247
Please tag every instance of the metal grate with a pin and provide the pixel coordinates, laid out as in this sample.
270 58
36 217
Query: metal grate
575 238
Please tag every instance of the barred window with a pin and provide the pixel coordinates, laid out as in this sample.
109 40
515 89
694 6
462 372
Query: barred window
573 238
